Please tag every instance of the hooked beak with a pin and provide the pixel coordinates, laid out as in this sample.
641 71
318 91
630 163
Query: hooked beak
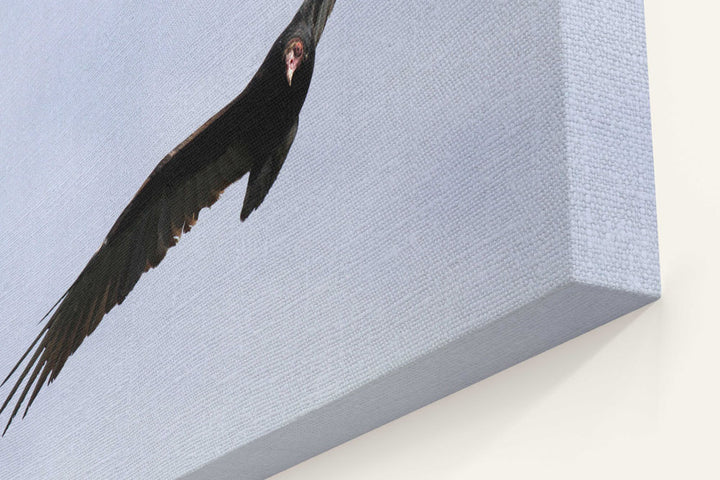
291 64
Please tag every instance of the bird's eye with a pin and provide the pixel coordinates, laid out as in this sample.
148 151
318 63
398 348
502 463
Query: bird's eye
298 50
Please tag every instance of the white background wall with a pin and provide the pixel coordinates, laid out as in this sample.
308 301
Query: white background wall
638 398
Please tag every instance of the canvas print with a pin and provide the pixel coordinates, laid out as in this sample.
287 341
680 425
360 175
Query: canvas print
389 201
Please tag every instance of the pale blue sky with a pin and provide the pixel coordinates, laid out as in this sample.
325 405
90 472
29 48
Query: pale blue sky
408 174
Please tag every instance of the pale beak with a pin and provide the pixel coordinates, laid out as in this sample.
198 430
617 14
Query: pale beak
291 64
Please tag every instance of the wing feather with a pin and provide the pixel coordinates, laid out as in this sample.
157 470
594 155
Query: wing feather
166 206
262 178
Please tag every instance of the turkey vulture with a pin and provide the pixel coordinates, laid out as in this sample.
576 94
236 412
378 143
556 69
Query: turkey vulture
252 134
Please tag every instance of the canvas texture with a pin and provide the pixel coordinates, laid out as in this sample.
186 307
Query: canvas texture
471 184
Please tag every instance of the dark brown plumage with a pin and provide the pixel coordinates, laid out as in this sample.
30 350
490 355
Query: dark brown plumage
252 134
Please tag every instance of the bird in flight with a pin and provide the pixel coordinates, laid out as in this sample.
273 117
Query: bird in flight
252 134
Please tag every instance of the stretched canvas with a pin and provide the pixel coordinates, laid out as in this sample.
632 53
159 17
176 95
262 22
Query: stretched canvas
471 183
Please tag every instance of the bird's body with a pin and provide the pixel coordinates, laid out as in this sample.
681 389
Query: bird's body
252 134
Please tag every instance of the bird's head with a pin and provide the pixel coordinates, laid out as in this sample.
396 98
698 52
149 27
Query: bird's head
299 39
294 55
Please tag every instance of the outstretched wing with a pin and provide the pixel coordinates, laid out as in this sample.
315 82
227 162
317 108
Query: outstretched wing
187 180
